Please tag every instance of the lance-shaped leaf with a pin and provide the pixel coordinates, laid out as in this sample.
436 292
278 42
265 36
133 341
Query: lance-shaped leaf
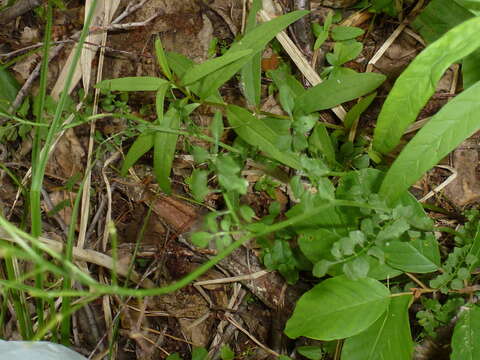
417 83
162 59
455 122
338 308
255 41
199 71
255 132
164 149
140 83
333 92
388 338
466 335
141 145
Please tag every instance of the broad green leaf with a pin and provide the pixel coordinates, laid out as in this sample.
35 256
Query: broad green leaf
251 73
311 352
455 122
343 52
164 149
338 308
388 338
162 59
139 83
199 71
333 92
255 40
256 133
416 256
199 353
417 83
8 89
226 353
140 146
341 33
198 184
466 335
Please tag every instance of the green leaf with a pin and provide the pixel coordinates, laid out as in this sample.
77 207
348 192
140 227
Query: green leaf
310 352
164 149
226 353
338 308
321 143
341 33
139 83
333 92
198 184
199 353
466 335
255 40
251 73
217 128
229 175
160 100
455 122
141 145
255 132
388 338
162 59
416 256
343 52
321 37
417 83
174 356
354 113
201 239
8 89
198 71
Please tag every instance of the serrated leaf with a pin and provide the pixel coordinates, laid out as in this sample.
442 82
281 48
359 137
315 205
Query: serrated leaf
466 335
139 83
256 133
198 71
333 92
140 146
455 122
416 256
162 59
164 149
417 83
338 308
255 40
387 338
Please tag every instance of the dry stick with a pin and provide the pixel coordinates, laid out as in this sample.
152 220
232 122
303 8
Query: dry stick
302 63
90 256
19 8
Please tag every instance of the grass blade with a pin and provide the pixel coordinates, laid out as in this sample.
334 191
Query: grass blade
417 83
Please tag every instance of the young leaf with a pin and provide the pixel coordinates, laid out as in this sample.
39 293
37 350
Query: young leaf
164 149
354 113
140 83
162 59
333 92
344 51
417 83
341 33
199 353
199 71
455 122
256 133
338 308
320 142
466 335
388 338
141 145
198 184
250 74
255 40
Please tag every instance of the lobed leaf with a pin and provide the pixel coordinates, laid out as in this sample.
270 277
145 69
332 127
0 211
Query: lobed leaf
417 83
